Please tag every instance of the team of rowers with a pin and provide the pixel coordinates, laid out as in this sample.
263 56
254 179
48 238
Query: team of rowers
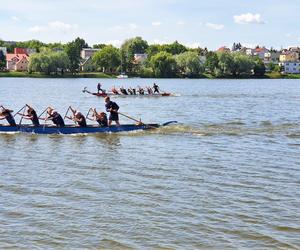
58 120
131 91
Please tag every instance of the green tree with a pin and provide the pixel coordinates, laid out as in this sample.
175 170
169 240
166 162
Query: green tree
48 62
189 64
225 63
73 50
2 60
99 46
163 65
174 48
243 65
107 58
259 68
130 47
31 44
211 62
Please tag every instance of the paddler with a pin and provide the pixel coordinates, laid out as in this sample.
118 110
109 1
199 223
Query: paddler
78 117
100 117
141 90
7 114
31 115
55 117
115 91
113 108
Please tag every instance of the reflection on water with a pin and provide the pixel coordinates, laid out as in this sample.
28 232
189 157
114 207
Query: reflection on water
226 176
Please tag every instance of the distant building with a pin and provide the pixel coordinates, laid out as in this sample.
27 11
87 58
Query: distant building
271 56
223 49
139 58
4 50
17 62
87 52
86 65
294 49
288 56
27 51
291 67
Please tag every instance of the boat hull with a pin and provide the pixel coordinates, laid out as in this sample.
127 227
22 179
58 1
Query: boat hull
129 95
75 130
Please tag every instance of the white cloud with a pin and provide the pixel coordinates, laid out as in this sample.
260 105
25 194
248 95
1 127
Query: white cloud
15 18
133 26
116 43
215 26
36 29
248 18
158 41
116 27
180 23
61 26
193 45
156 23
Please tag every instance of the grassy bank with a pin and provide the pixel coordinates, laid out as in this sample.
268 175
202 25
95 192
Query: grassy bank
270 75
66 75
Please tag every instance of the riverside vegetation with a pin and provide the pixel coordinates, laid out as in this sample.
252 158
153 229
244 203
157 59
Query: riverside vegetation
163 61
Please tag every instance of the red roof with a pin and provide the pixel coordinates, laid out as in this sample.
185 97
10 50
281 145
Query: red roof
16 57
260 49
223 49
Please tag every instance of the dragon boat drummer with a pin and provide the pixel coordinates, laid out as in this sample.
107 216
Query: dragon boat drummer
100 117
155 88
55 117
7 114
78 117
113 108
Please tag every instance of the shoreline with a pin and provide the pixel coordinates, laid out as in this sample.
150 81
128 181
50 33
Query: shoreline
272 75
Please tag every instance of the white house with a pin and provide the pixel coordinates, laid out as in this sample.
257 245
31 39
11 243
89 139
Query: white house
291 67
87 52
139 58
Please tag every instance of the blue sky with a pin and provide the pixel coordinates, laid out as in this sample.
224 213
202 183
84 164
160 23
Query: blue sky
210 23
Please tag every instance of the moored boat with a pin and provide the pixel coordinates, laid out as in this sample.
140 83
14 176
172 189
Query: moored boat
71 129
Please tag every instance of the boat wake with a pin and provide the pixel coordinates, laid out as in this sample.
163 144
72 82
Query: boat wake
233 128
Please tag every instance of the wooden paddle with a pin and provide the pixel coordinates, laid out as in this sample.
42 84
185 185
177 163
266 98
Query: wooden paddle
138 121
19 110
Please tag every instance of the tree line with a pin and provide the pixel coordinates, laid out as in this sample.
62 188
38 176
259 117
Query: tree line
166 60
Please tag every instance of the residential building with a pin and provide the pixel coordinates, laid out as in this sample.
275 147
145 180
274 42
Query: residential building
86 65
88 52
272 56
288 56
223 49
291 67
139 58
17 62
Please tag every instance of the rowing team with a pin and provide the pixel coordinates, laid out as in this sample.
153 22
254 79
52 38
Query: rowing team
131 91
56 118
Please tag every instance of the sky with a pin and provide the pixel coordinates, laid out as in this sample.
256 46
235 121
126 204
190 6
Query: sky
209 23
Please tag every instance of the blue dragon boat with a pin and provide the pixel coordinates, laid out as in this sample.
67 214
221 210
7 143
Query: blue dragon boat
71 129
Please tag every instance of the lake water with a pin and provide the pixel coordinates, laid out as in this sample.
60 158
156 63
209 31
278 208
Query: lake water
227 176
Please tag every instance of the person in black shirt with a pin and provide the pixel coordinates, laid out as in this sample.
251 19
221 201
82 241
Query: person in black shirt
31 115
6 114
55 117
78 117
155 88
101 118
113 108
